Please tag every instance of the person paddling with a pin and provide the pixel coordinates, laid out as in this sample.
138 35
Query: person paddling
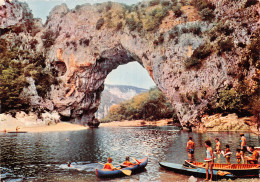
127 162
191 149
209 160
109 164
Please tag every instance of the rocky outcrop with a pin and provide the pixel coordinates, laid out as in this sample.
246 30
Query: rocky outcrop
191 53
230 122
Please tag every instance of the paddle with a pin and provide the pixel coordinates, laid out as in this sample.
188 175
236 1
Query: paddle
136 160
125 171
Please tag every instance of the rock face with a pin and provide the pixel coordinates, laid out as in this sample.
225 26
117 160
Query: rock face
87 43
115 94
230 122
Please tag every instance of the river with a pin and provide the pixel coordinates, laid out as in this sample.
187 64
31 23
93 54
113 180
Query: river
43 156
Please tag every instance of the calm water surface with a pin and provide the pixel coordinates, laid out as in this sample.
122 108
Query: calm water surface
43 156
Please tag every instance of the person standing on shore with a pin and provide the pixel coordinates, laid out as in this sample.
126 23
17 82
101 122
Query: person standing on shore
218 149
191 149
243 147
209 160
227 154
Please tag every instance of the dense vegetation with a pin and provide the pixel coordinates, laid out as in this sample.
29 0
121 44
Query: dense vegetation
147 16
14 73
151 105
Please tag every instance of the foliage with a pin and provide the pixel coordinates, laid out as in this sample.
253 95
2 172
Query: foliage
230 100
13 73
154 2
206 9
151 105
198 55
48 38
225 45
131 23
177 11
250 3
100 23
192 62
156 18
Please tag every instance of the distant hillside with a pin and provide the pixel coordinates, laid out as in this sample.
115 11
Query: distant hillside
115 94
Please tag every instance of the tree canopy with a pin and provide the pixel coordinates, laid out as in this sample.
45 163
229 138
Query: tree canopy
151 105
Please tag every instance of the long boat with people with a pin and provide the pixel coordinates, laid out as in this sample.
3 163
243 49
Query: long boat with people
124 170
196 171
239 170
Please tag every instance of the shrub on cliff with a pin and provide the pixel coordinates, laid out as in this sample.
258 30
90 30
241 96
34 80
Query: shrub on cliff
13 73
151 105
100 23
131 23
206 9
48 38
154 2
156 18
198 55
177 11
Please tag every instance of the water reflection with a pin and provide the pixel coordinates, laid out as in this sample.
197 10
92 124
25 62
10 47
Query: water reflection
43 156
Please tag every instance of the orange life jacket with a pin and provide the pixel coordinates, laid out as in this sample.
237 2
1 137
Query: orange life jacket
108 166
127 163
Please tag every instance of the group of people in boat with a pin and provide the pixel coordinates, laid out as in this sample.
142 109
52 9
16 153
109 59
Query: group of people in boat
240 153
126 163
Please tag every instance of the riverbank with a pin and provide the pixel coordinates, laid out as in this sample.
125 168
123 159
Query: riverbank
136 123
30 123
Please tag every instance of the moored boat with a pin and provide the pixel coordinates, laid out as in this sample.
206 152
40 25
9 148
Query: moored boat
195 171
107 173
239 170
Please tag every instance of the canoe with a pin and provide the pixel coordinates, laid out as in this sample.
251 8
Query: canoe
17 132
239 170
195 171
107 173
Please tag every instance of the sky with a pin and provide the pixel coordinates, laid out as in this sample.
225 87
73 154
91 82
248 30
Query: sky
132 74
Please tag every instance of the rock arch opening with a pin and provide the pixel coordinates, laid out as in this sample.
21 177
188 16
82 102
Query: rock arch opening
122 84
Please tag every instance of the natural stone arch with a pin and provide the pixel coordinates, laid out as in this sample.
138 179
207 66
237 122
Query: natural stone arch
87 83
86 38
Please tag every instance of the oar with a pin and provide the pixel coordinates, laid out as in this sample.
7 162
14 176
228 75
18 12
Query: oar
125 171
136 160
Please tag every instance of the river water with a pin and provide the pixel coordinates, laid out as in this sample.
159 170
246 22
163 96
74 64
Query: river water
43 156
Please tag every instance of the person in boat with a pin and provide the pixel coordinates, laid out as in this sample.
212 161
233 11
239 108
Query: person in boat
238 156
227 154
254 158
209 160
69 164
218 148
243 146
17 129
109 164
191 149
127 162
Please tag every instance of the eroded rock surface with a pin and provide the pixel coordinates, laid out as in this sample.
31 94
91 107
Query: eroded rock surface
87 43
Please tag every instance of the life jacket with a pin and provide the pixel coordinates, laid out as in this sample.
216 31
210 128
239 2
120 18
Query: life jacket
128 163
108 166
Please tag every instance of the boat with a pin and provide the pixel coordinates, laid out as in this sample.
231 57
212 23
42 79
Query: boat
108 173
239 170
195 171
17 132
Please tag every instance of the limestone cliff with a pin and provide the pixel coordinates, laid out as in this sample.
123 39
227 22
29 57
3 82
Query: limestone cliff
192 49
